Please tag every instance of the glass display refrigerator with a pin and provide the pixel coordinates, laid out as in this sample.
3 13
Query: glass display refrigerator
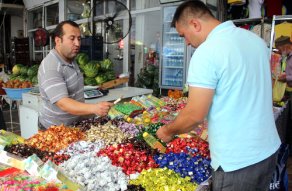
175 55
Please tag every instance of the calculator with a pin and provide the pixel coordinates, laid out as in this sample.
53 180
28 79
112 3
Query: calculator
92 94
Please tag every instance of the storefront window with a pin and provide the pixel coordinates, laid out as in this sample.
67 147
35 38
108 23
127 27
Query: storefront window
145 46
144 4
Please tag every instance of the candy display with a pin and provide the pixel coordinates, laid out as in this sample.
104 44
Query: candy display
119 152
108 133
55 138
126 108
24 151
197 168
128 158
81 147
193 146
86 124
95 173
151 129
129 128
176 94
23 181
153 142
141 145
163 179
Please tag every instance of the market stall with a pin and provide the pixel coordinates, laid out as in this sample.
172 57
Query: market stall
111 153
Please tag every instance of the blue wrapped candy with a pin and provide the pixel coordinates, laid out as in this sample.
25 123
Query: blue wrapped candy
197 167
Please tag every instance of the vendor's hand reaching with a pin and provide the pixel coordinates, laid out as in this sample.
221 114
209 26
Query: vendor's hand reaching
102 108
163 134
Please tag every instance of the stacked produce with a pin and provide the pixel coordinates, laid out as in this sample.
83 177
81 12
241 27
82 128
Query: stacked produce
95 72
16 84
25 73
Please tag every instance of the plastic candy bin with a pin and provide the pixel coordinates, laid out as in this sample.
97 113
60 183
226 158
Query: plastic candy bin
16 93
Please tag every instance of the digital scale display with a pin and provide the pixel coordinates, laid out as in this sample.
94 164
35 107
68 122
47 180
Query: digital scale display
92 94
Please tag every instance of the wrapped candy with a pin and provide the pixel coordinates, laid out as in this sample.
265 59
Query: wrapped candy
198 169
131 160
108 133
191 145
163 179
82 147
86 124
84 169
55 138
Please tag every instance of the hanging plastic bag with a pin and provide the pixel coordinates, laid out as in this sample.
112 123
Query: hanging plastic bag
3 76
279 90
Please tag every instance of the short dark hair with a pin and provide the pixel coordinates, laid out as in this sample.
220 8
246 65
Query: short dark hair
191 7
282 40
58 32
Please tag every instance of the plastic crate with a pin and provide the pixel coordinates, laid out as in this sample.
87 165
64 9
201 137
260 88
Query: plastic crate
16 93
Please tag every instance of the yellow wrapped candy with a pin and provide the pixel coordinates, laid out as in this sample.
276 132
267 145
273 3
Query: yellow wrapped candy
163 179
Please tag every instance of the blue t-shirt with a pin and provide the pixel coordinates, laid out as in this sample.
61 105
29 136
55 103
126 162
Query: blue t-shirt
241 127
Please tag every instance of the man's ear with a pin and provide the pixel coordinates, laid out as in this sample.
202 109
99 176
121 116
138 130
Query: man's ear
196 24
57 40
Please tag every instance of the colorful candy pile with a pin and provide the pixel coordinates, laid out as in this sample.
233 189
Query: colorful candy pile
108 133
128 158
141 145
127 108
82 147
23 181
197 168
193 146
151 129
24 151
104 153
55 138
86 169
163 179
85 124
129 128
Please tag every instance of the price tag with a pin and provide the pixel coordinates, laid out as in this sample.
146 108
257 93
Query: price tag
32 165
10 161
49 172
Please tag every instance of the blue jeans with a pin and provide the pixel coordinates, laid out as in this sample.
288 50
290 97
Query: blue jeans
256 177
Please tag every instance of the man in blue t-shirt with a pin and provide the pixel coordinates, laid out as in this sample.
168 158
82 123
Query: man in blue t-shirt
230 83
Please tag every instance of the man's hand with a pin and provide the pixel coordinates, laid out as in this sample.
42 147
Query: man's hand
163 134
79 108
102 108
